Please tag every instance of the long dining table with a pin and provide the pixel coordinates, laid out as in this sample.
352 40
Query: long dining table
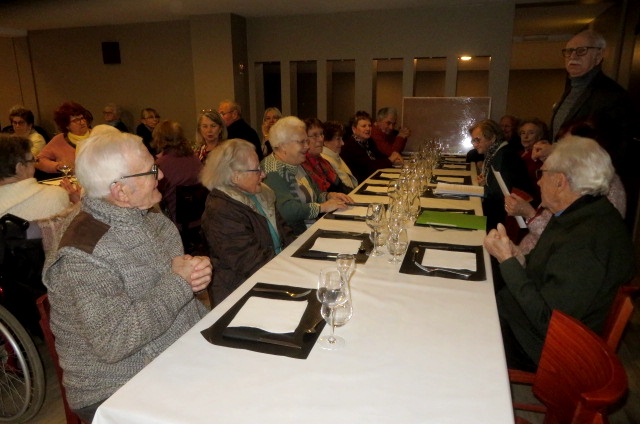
419 349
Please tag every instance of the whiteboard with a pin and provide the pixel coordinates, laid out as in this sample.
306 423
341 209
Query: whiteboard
446 119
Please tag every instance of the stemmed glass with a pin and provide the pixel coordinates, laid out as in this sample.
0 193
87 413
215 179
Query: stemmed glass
65 168
397 243
332 292
375 221
346 264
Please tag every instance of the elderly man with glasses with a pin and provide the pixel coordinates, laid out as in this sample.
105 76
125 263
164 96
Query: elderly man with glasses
120 287
582 257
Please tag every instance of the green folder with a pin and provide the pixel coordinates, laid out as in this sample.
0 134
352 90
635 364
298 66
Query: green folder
450 219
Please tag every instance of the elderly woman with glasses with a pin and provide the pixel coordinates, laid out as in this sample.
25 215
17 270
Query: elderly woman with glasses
177 162
74 122
299 199
316 166
22 121
20 194
240 221
149 118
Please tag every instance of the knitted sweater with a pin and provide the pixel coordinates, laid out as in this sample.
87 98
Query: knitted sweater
30 200
115 303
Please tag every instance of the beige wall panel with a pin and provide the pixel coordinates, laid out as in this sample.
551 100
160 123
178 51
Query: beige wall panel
9 81
156 71
527 100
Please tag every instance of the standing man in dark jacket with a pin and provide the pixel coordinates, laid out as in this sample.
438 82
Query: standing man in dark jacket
237 127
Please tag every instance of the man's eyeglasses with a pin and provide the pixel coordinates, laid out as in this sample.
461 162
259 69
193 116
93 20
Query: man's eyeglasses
257 170
580 51
154 172
540 172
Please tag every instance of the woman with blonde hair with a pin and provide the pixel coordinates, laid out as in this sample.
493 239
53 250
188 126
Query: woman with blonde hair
210 134
176 161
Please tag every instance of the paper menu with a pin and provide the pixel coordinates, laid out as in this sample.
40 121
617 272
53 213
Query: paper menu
505 192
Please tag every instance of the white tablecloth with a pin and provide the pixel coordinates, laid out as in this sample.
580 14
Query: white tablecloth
418 350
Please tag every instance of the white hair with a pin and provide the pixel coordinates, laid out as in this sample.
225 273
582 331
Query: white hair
584 162
104 158
284 130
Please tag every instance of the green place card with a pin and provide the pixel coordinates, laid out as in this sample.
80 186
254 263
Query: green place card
449 219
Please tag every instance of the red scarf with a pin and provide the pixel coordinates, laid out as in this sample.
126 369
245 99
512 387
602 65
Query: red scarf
320 171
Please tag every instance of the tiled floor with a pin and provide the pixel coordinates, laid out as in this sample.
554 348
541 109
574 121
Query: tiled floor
52 411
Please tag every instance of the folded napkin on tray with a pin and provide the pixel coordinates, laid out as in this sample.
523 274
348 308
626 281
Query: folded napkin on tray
449 179
271 315
376 189
336 245
353 211
390 175
449 259
454 166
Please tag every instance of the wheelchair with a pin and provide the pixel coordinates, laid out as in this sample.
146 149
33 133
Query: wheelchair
22 380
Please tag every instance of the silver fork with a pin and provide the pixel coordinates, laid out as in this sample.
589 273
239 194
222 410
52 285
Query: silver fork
282 291
433 269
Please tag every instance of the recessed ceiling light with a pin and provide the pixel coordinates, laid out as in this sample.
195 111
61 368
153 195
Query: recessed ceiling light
465 57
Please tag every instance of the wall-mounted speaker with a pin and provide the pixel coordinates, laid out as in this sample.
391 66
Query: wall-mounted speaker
111 52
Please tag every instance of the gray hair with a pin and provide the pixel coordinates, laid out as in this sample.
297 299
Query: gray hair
489 129
114 108
386 111
232 106
230 156
214 116
595 38
584 162
104 158
282 131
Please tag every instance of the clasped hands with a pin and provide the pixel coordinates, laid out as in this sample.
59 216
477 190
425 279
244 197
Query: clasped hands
195 270
499 245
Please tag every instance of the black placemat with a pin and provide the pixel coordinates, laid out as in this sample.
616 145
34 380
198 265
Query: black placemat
378 175
215 333
363 190
443 165
361 257
333 215
466 180
430 194
408 266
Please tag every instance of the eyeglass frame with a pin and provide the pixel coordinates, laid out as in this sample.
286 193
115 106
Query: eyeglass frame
154 172
540 172
78 120
569 52
258 170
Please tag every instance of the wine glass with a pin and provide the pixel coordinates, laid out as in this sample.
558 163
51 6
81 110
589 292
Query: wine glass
65 168
397 244
375 220
332 292
346 264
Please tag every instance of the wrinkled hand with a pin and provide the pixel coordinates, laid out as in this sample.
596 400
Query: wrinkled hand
480 179
195 270
73 189
517 206
404 132
498 244
396 158
332 204
340 196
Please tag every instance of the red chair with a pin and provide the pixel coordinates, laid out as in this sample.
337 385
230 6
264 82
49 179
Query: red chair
44 308
578 376
619 315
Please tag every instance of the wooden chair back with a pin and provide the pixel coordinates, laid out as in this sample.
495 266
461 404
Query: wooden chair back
579 375
620 313
44 309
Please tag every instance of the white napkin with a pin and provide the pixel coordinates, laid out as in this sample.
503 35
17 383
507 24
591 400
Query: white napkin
376 189
332 245
272 315
391 176
454 166
449 259
353 211
450 179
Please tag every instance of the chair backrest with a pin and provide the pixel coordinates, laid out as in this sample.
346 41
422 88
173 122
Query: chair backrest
190 203
579 375
620 313
44 308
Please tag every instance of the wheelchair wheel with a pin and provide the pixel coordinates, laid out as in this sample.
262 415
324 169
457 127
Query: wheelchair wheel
22 383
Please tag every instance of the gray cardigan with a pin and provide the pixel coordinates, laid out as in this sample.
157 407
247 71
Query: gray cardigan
115 303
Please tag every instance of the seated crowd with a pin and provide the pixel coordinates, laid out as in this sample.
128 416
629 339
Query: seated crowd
120 264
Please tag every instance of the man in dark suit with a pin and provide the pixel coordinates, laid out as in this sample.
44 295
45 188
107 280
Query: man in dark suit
237 127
